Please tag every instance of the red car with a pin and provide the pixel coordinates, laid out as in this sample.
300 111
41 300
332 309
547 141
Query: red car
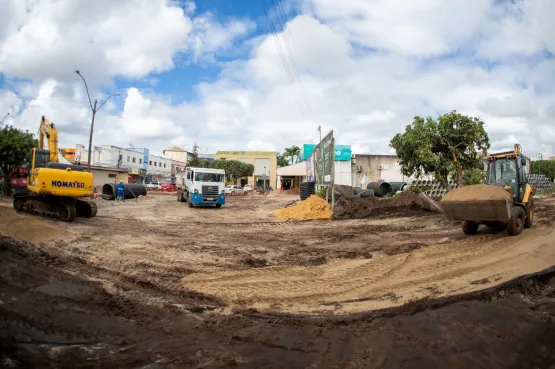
170 187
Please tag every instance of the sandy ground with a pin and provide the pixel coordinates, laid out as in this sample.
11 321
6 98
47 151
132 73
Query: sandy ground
151 283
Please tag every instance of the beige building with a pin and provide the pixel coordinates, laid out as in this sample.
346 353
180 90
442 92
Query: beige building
177 154
265 165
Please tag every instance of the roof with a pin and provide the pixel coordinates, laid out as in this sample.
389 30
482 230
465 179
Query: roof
175 148
294 170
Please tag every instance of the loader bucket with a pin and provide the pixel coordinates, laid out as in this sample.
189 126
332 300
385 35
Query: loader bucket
478 210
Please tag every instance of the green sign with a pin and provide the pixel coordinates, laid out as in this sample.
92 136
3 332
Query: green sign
342 152
323 160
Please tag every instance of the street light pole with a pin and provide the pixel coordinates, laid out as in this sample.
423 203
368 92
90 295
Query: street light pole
94 109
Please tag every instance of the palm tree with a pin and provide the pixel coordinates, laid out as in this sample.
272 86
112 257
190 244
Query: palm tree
293 153
282 161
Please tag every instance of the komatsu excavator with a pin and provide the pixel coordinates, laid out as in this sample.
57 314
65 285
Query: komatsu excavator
515 211
55 189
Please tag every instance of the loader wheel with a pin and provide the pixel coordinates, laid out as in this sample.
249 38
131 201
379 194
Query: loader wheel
470 227
516 223
529 213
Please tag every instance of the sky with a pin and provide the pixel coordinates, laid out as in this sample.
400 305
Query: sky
265 74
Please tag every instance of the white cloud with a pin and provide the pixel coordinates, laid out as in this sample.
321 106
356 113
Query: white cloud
366 69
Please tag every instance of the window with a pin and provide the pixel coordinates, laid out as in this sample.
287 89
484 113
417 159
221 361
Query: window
120 158
208 177
150 162
164 165
128 159
134 159
140 161
111 175
154 163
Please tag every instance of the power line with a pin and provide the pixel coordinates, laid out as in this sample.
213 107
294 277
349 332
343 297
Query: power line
283 59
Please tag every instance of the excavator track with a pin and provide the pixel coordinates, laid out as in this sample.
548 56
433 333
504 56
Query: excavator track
86 208
50 207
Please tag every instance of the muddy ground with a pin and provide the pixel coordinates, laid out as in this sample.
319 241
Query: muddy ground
113 291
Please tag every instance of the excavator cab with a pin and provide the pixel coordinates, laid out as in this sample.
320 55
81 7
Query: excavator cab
488 204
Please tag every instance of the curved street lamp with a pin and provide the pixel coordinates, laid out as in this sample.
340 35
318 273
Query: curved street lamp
5 116
94 109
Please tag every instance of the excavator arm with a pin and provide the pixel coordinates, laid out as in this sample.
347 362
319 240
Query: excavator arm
49 130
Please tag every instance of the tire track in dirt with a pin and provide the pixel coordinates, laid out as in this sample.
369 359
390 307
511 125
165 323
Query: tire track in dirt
345 286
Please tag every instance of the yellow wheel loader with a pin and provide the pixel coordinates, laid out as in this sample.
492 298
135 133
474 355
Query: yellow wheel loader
506 200
55 189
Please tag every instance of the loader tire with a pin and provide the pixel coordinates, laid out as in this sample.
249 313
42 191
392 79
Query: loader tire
529 213
516 223
470 227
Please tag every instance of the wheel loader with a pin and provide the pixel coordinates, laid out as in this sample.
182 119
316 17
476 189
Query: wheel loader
513 209
55 189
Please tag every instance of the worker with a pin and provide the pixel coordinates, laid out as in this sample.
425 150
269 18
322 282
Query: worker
120 190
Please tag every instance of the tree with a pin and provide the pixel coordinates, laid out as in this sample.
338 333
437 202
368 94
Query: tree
545 167
15 146
292 153
194 161
282 161
234 169
445 147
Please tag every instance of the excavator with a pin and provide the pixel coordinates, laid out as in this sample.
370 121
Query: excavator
515 210
55 189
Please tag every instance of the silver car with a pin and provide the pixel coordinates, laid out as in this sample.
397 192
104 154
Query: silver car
235 190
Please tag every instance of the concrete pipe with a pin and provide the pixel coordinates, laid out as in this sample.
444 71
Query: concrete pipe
397 186
381 189
130 191
367 193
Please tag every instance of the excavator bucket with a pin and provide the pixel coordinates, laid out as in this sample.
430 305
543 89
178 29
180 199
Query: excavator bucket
479 203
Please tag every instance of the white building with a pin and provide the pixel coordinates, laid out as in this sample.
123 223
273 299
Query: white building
177 154
139 163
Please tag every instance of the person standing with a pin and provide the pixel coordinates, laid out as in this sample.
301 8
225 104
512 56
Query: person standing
120 190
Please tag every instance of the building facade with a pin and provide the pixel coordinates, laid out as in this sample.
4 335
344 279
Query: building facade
141 166
265 165
177 154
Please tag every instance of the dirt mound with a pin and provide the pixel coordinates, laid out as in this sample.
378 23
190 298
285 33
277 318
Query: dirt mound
476 192
312 208
347 208
27 227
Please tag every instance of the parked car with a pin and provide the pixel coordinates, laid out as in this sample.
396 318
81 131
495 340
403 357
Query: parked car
153 186
235 190
248 188
168 186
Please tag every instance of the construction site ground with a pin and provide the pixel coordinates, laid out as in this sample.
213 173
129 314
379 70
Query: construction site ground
151 283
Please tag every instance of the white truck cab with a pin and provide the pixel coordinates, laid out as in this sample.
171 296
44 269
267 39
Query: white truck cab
202 186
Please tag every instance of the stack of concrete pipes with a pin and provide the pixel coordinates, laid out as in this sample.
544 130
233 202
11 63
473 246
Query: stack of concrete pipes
434 189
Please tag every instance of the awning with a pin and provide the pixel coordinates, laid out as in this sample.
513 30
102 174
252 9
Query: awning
295 170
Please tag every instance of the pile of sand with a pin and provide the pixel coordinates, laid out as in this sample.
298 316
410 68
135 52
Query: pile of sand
27 227
476 192
401 204
312 208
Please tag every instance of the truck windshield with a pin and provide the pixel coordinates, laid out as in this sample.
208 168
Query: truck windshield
502 170
208 177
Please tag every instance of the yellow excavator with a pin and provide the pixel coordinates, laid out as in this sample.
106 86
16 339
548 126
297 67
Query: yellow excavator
486 204
55 189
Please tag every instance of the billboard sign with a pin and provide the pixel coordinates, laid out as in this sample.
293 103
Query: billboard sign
323 162
342 152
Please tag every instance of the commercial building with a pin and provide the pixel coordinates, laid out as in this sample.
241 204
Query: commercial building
342 163
265 165
372 168
141 166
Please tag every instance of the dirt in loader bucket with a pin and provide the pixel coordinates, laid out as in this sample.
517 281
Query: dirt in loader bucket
478 203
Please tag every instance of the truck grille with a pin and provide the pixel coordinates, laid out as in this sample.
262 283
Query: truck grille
209 191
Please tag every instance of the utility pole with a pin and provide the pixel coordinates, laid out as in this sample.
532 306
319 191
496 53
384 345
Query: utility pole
95 110
320 131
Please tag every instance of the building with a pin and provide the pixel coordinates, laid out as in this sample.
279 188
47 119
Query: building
342 163
372 168
290 177
265 165
177 154
103 175
141 166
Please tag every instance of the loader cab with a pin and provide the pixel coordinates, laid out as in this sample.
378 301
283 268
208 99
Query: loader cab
509 171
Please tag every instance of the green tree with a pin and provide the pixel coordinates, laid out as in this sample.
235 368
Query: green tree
545 167
474 176
15 146
234 169
292 153
194 161
445 147
282 161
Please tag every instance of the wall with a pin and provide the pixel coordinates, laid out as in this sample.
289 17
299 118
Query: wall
250 158
159 167
182 156
102 176
342 173
377 167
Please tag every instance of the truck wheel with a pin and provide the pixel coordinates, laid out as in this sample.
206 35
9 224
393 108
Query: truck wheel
189 201
529 213
218 206
516 223
470 227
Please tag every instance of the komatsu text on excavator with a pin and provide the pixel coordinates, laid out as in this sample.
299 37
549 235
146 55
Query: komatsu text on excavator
55 189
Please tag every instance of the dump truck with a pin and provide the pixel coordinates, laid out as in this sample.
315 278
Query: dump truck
505 200
201 186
